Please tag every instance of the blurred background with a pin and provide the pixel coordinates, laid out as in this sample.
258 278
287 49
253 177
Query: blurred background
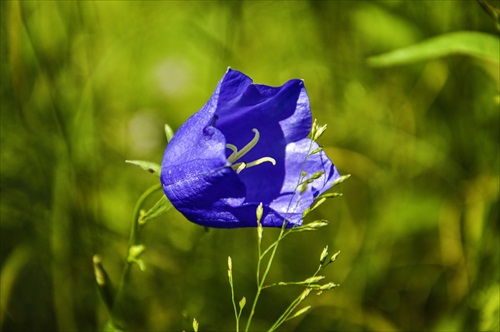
86 85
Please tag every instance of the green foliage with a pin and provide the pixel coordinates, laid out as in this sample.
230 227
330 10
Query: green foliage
475 44
86 85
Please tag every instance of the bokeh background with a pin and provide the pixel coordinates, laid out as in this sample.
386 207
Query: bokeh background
86 85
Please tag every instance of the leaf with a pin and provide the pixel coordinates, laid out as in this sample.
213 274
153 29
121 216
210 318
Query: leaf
168 132
103 281
475 44
161 207
147 166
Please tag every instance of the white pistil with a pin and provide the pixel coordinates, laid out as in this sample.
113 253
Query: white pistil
238 167
232 148
238 154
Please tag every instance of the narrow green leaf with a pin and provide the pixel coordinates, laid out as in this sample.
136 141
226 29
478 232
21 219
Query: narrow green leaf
475 44
147 166
140 263
104 285
168 132
161 207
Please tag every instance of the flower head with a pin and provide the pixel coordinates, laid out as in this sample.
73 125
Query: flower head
248 145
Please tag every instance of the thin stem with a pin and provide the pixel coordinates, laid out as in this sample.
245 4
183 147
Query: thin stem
292 306
274 247
236 315
286 313
133 239
230 275
261 281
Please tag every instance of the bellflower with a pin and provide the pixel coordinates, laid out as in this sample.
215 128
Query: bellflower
248 145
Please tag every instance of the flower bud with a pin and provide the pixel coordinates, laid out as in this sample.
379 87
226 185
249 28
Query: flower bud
242 302
304 294
300 312
195 325
258 212
229 263
334 256
328 286
313 280
323 255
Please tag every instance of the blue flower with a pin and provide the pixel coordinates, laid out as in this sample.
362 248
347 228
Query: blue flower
248 145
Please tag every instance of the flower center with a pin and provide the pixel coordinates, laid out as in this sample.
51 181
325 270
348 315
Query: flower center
238 167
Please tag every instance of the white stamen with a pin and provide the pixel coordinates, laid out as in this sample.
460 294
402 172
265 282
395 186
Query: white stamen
238 154
238 167
260 161
232 148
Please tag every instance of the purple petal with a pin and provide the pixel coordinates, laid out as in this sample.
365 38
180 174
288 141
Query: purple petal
199 180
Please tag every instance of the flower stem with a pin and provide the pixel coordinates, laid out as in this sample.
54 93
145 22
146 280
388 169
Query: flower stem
262 280
274 247
230 275
288 311
116 316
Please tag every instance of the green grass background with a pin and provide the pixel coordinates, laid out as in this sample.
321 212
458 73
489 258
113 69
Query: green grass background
86 85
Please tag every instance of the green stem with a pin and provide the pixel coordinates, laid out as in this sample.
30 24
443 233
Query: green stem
236 315
261 281
284 316
274 246
133 239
